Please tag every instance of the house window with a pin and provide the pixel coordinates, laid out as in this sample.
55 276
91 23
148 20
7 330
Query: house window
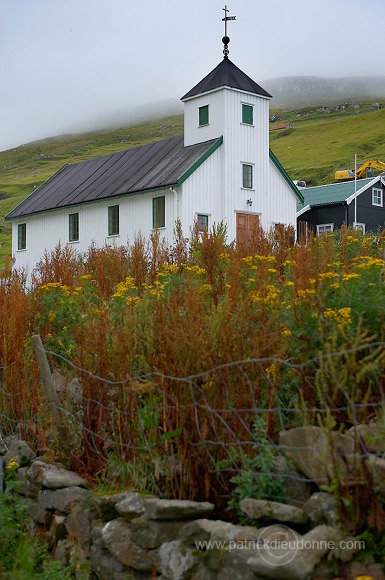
73 223
22 237
158 212
279 227
203 222
247 114
247 176
324 228
113 220
359 226
377 196
203 115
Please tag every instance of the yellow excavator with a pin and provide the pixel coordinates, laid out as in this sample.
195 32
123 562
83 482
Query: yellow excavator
364 170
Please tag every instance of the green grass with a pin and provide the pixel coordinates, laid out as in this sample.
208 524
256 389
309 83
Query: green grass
316 146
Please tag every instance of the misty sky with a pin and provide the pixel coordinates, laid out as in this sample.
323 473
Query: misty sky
65 65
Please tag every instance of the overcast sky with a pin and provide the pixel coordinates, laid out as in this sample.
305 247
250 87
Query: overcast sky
67 64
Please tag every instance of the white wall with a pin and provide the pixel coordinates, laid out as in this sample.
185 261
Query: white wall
46 230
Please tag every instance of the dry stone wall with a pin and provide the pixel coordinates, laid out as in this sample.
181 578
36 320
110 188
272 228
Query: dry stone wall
130 536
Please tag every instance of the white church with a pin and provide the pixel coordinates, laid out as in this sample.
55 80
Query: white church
220 170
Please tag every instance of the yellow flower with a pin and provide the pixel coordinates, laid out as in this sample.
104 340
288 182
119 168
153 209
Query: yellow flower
369 261
327 275
305 294
352 276
268 296
289 283
264 258
248 260
132 300
12 464
195 269
342 316
271 371
167 269
206 288
124 287
286 332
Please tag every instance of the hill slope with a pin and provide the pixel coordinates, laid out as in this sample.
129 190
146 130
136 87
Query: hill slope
306 91
321 141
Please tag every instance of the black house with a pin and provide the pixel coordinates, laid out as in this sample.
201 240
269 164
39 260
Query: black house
354 203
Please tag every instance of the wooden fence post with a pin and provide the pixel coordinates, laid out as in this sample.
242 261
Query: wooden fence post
46 377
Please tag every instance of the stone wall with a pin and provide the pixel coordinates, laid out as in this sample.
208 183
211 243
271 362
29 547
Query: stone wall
130 536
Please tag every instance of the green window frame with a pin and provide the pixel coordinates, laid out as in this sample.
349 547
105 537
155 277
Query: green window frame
203 221
73 227
247 114
113 220
158 212
22 236
203 115
247 176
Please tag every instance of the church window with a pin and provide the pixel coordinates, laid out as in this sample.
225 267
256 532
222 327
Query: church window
203 115
22 237
247 114
113 220
247 176
73 222
159 212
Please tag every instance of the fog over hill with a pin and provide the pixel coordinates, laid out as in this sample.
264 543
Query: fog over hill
298 91
308 91
288 92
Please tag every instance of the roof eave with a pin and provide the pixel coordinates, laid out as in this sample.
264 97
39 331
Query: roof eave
362 189
101 199
303 210
286 177
184 99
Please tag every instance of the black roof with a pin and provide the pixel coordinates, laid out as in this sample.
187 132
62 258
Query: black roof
161 164
226 74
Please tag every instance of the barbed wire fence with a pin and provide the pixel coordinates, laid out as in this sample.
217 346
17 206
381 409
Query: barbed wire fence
196 436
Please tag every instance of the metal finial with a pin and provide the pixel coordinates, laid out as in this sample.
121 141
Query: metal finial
226 39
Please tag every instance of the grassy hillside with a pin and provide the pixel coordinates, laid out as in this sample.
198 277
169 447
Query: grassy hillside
317 145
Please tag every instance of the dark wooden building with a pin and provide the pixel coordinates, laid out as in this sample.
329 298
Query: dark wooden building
358 204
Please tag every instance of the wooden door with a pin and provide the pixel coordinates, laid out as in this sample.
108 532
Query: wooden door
302 231
247 223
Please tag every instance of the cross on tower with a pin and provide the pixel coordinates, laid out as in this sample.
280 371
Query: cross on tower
226 39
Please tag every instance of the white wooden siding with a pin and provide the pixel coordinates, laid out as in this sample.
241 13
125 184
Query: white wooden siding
203 192
46 230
